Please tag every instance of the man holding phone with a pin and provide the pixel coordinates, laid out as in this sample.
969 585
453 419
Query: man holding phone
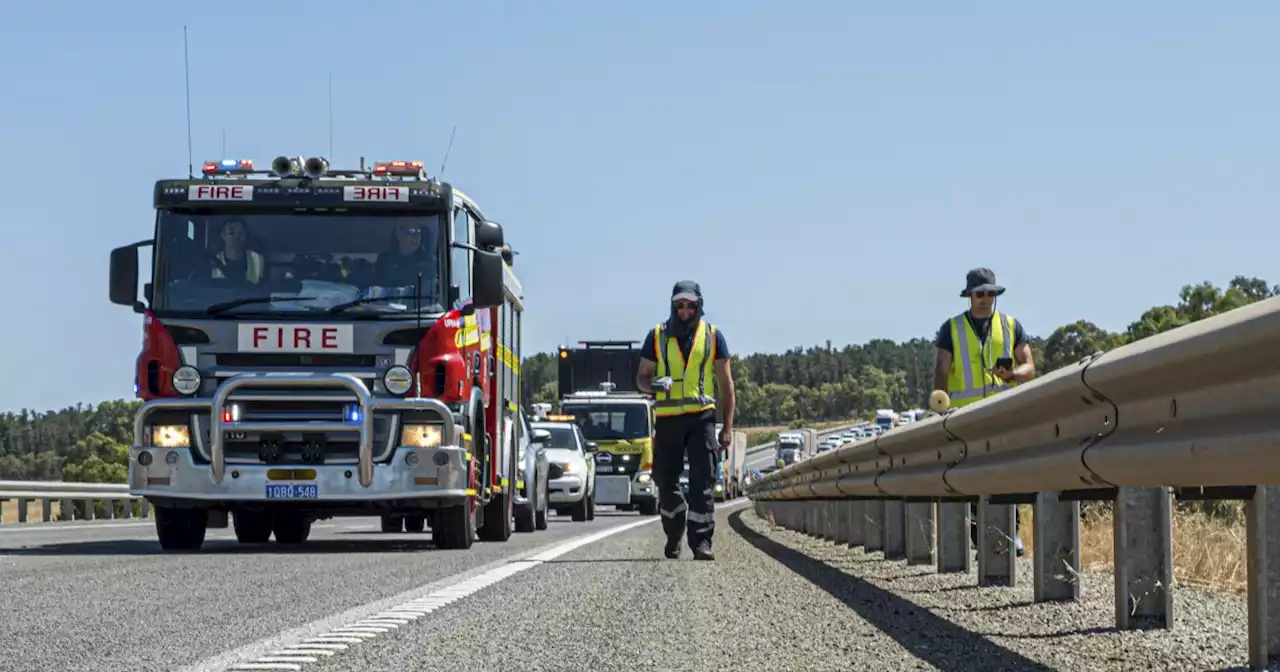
981 352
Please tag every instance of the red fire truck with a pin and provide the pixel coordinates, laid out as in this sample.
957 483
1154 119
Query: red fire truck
321 343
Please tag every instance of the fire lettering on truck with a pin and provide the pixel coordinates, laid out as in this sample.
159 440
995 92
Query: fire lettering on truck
220 192
376 194
323 338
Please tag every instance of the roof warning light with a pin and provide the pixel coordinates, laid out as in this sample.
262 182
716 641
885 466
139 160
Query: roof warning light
404 168
227 167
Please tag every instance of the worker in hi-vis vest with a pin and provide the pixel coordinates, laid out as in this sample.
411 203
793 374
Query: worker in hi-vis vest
685 365
235 262
981 352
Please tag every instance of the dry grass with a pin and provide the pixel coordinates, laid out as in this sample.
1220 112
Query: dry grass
34 511
1208 552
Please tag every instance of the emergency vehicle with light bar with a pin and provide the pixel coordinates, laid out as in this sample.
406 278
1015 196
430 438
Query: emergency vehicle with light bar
321 343
598 389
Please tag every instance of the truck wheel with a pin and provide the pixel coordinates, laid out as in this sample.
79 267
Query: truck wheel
291 527
415 523
591 507
579 510
497 518
454 527
181 529
649 508
252 527
392 524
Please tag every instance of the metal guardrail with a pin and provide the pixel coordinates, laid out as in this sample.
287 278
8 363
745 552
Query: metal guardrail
1192 413
78 501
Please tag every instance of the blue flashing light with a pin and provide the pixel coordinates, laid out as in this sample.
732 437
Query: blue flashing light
228 166
353 414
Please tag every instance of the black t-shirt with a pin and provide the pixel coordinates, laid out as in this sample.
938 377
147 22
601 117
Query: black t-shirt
236 269
982 327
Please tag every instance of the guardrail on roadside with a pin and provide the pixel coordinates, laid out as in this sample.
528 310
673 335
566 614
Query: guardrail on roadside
1192 413
78 501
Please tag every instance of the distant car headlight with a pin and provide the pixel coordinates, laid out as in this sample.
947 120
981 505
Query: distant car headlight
421 436
566 467
171 436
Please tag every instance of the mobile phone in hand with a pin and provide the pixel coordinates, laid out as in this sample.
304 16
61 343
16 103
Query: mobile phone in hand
1005 363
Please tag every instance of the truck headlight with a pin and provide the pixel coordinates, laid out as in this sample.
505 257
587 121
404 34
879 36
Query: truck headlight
186 380
421 436
171 436
643 477
397 379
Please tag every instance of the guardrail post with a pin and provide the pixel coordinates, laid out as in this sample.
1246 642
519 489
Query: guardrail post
109 509
894 529
1056 560
828 521
841 521
953 537
857 523
874 538
1262 521
88 509
919 533
997 556
46 510
22 510
68 510
1144 557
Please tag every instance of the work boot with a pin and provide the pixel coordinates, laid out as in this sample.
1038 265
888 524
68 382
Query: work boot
673 548
703 552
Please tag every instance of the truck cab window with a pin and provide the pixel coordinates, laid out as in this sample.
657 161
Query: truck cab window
461 259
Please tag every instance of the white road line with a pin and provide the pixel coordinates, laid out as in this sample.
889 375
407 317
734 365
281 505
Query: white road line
336 633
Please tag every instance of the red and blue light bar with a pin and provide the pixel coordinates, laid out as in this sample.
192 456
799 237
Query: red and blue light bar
227 167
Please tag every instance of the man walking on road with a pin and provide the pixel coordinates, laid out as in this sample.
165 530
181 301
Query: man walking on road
685 365
981 352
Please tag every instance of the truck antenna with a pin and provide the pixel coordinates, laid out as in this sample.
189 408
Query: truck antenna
186 67
446 151
331 157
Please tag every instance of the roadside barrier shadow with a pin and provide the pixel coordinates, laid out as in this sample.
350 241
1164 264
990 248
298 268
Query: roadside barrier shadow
220 547
927 636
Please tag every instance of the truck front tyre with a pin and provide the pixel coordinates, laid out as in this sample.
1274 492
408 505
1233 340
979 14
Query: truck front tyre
392 524
579 510
290 527
181 529
454 527
415 523
251 527
649 507
497 518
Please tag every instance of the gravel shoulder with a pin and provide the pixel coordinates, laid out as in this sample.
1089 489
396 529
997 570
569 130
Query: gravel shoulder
777 600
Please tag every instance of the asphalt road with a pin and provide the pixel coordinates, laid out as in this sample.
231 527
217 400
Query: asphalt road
580 596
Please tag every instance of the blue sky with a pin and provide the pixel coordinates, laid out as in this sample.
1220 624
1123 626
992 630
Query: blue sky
826 170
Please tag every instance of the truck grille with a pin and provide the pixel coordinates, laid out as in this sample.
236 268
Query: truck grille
297 448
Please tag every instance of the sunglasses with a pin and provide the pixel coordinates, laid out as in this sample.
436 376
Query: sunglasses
982 295
686 305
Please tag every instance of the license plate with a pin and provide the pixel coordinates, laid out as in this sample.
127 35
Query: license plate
604 468
293 491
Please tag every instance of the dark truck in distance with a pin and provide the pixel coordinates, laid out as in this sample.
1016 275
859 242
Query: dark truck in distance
321 343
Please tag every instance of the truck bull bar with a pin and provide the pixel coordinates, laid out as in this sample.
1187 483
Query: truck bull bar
304 380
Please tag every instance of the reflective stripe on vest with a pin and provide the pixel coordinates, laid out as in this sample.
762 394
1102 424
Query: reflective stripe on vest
693 384
972 376
253 267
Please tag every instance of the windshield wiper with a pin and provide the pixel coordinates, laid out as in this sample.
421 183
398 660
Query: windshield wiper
368 299
218 308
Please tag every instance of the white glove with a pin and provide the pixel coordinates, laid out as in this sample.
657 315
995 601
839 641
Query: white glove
664 383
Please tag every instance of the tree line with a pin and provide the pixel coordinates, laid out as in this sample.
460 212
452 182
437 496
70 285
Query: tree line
90 443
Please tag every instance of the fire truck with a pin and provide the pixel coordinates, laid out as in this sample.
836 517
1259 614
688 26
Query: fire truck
598 391
319 343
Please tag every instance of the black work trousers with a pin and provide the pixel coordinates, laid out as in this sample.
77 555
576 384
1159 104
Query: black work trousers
676 437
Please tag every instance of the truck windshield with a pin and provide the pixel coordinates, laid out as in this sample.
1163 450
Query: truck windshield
611 422
300 263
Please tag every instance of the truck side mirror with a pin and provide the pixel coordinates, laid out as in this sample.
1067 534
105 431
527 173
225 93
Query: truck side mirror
123 281
592 446
486 279
541 436
489 235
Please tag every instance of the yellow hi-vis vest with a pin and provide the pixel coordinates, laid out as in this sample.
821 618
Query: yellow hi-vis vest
693 386
253 266
973 363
